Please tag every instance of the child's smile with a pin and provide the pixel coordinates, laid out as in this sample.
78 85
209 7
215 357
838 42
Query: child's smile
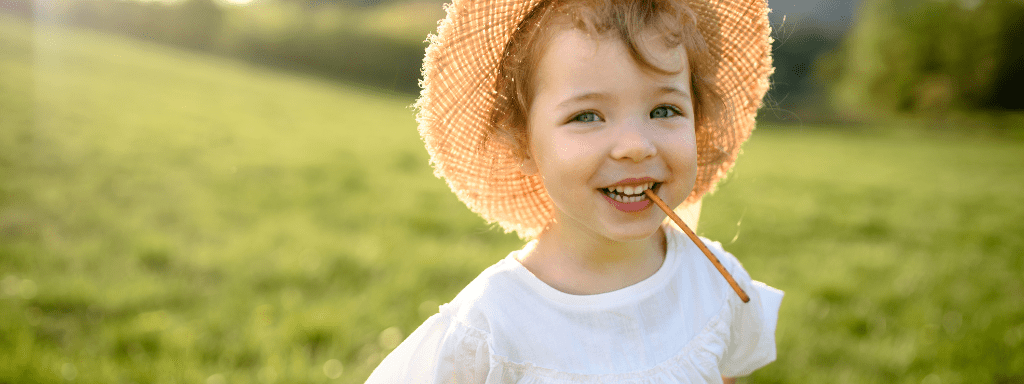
628 196
603 129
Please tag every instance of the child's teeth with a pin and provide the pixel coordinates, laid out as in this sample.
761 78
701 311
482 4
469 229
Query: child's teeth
629 193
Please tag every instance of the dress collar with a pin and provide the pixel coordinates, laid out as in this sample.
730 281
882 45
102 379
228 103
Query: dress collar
618 297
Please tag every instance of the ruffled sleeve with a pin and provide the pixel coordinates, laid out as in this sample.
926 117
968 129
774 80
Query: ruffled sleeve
442 350
751 340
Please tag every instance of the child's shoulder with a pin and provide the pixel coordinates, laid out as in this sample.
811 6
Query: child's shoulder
701 271
493 294
729 261
679 242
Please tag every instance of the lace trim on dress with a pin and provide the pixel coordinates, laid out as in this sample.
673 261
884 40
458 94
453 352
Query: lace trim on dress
468 330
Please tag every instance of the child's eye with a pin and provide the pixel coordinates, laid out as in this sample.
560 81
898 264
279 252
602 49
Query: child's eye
664 111
586 117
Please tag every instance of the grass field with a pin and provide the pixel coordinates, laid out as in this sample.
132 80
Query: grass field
167 217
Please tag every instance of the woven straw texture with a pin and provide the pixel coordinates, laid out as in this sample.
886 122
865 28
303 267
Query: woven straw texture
459 75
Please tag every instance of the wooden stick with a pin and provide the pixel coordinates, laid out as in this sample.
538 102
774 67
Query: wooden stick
700 244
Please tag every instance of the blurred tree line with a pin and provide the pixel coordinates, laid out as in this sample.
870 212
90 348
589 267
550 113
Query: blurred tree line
377 43
901 56
795 92
929 57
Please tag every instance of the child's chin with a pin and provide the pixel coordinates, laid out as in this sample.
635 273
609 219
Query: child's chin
634 232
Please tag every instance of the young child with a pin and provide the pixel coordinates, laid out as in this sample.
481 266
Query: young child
551 118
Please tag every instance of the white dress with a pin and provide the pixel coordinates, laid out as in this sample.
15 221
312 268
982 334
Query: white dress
683 324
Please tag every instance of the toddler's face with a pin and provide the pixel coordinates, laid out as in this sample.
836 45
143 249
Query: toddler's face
603 128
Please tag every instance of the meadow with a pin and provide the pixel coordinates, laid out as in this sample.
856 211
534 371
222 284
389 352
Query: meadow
170 217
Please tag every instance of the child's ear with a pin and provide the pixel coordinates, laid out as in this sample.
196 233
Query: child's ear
527 166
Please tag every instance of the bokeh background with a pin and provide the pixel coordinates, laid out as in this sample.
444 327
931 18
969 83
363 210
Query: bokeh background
232 191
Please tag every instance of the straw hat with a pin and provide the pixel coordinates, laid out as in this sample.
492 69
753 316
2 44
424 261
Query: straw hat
459 76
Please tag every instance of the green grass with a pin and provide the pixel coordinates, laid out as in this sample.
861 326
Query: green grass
172 217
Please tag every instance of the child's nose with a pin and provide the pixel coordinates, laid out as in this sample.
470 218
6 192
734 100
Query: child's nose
632 143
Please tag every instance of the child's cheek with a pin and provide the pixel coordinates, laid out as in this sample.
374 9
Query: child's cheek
569 147
575 148
682 156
